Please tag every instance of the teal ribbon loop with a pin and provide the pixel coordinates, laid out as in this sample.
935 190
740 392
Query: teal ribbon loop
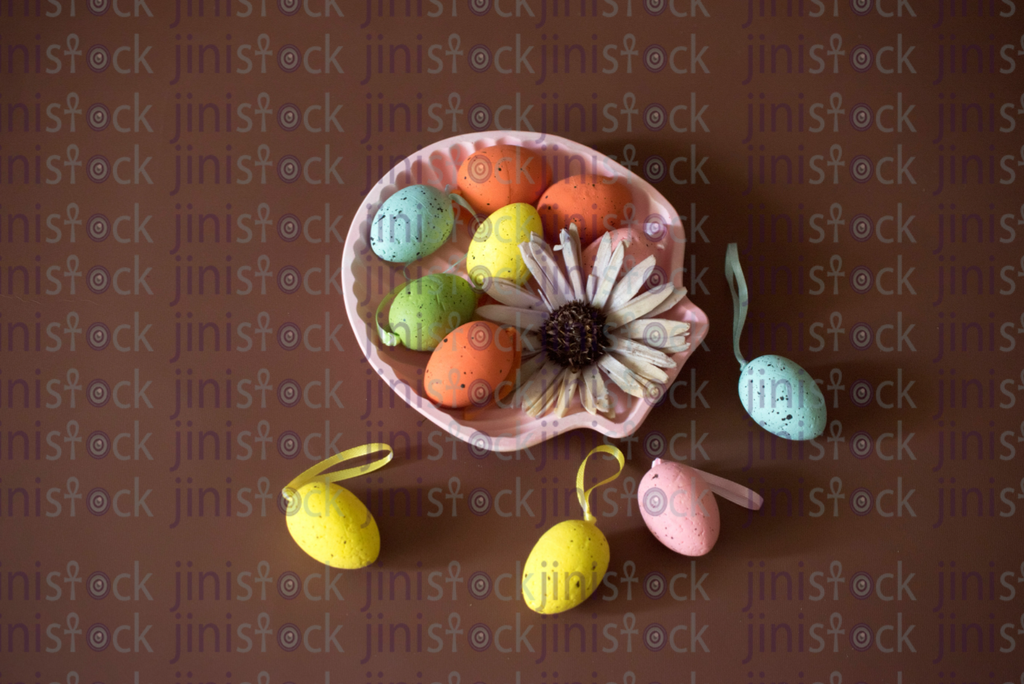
464 203
740 300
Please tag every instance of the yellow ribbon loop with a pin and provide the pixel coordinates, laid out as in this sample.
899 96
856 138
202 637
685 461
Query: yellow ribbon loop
313 474
584 495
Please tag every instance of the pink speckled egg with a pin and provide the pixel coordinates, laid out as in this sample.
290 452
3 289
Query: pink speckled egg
679 508
638 246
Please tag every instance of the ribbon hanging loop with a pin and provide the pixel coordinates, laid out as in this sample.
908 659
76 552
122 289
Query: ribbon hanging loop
740 300
312 474
584 495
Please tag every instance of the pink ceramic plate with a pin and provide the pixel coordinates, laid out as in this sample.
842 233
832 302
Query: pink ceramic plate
366 280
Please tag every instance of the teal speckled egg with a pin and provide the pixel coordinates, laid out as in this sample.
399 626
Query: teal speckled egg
782 398
429 308
411 224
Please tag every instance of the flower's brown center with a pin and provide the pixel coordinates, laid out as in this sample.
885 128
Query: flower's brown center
573 335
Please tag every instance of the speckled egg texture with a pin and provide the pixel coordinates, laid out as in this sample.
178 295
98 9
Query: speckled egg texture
333 526
472 366
429 308
565 567
494 251
596 204
679 508
637 247
782 398
411 224
495 176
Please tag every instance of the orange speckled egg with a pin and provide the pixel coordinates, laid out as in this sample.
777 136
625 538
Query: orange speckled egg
502 174
473 364
595 203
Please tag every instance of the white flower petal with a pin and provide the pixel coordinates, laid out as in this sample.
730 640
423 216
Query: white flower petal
535 269
549 396
630 284
532 266
528 368
566 392
675 348
588 391
604 397
676 297
648 388
541 381
606 278
539 260
604 254
669 345
525 319
571 255
574 233
643 368
524 374
639 306
650 329
530 343
510 294
651 389
641 351
594 382
554 278
525 387
546 303
621 376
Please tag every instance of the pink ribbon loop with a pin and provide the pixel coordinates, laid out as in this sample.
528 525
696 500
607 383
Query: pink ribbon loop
733 491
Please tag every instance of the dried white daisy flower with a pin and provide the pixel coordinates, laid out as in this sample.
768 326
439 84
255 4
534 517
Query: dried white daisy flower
575 333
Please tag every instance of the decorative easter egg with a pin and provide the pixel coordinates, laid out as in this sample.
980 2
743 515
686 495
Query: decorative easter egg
777 393
570 559
565 567
679 508
499 175
782 398
333 526
429 308
494 251
411 224
596 204
473 365
638 245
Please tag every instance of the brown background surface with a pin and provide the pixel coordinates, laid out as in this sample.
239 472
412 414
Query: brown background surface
959 609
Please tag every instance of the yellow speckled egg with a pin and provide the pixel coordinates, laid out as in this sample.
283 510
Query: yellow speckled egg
333 526
565 567
494 251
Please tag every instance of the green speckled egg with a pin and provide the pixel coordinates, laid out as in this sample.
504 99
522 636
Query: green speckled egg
411 224
429 308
